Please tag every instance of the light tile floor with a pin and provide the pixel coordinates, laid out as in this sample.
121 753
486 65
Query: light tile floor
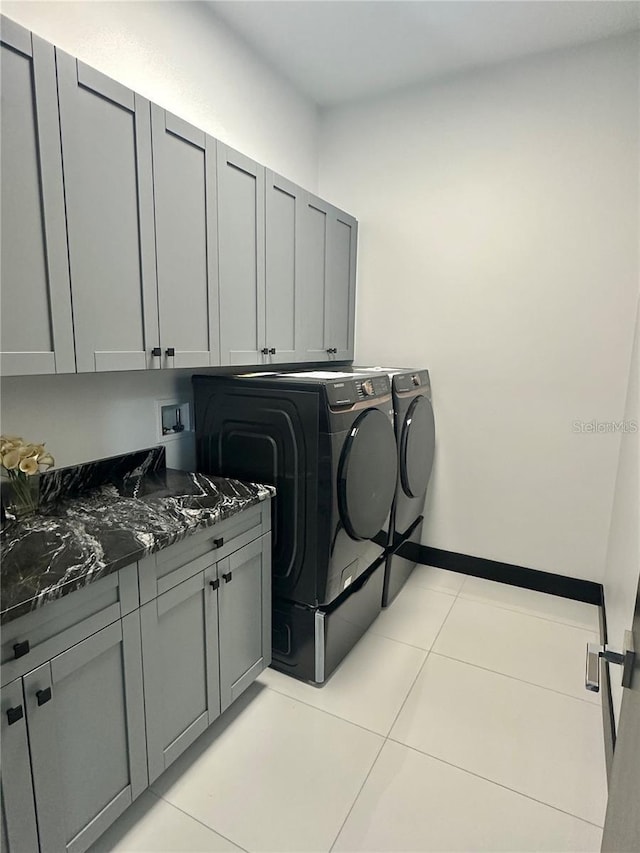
459 722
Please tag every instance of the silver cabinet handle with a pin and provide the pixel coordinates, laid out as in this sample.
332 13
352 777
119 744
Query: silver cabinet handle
625 659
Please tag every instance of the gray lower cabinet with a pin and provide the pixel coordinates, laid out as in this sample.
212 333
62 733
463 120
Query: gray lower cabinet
100 695
184 183
241 258
181 673
19 829
86 751
244 614
35 309
203 642
107 166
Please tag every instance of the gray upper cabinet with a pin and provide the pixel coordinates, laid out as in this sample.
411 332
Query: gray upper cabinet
37 334
241 257
328 281
184 181
341 289
133 240
283 304
106 158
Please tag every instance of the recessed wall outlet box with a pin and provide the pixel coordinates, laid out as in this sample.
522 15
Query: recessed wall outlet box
174 419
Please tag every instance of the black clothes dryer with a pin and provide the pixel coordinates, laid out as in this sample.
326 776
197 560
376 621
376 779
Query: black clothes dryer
415 435
326 442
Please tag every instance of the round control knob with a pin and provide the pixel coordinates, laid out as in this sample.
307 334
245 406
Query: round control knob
416 379
367 388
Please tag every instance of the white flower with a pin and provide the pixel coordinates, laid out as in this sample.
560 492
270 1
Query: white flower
29 465
11 459
15 453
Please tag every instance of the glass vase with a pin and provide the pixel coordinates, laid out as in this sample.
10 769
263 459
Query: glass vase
21 495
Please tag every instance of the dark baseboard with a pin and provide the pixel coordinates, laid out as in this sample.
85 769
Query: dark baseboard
479 567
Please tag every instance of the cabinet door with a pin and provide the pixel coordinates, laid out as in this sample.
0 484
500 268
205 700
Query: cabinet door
37 333
184 183
86 730
329 276
18 813
180 665
341 285
106 159
312 320
244 612
241 257
283 221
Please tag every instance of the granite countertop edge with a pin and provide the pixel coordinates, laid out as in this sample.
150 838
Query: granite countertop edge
105 531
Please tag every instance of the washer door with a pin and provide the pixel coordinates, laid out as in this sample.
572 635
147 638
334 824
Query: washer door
367 475
417 443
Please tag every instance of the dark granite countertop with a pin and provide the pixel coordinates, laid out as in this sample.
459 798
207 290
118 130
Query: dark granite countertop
85 530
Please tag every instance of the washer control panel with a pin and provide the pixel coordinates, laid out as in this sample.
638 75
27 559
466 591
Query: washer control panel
347 392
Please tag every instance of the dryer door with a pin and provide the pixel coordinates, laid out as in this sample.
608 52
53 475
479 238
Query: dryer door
367 475
417 443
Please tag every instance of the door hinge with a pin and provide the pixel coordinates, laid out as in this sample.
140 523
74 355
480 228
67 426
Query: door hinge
626 659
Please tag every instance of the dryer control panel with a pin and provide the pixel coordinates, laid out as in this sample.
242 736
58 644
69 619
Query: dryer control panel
415 380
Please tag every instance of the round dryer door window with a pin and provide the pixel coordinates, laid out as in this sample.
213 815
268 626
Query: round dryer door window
367 475
417 442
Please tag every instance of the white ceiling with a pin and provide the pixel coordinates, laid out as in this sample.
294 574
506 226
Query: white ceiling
340 50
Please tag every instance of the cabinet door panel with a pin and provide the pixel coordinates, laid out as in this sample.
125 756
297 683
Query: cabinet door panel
330 245
184 164
37 333
179 643
244 612
284 202
18 811
315 236
241 258
87 747
341 285
106 155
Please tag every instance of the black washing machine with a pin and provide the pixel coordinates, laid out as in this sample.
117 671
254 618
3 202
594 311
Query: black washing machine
415 435
326 442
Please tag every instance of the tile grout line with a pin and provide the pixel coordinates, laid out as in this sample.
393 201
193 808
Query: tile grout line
355 799
530 615
521 680
197 820
325 711
387 736
514 609
413 683
493 782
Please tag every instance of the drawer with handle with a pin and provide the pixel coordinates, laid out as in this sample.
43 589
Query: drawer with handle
47 631
162 571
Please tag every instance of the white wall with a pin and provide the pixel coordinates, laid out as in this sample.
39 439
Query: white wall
623 554
90 416
182 57
499 247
